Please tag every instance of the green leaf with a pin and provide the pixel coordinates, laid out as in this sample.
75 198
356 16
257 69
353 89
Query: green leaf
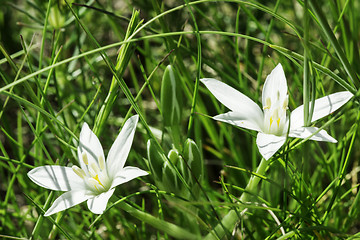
156 159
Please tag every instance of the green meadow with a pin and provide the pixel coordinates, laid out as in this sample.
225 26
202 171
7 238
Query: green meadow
171 119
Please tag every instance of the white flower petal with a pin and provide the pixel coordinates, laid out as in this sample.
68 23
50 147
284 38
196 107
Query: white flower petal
90 144
57 178
269 144
304 132
120 149
240 119
275 86
98 203
127 174
234 100
67 200
323 107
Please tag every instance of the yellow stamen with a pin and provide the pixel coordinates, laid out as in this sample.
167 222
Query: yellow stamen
268 104
285 104
101 163
98 180
78 171
84 158
94 167
278 121
93 182
271 121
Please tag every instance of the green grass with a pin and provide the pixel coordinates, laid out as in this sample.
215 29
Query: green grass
101 62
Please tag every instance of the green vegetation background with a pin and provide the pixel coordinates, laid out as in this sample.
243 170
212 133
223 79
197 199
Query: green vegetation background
57 71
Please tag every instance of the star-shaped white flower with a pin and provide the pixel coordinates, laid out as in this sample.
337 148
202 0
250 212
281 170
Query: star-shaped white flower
272 123
96 180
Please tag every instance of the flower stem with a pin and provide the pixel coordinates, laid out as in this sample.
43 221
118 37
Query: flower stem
169 228
324 26
229 221
306 76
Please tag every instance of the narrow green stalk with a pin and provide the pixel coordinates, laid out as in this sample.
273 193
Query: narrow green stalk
36 228
20 135
169 228
288 53
35 232
147 83
39 121
43 102
50 117
313 92
230 219
14 55
123 59
44 34
267 39
287 235
334 42
342 171
198 67
306 76
321 68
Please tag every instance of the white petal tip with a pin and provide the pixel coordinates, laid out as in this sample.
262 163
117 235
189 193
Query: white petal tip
85 126
135 117
333 140
267 157
269 144
206 80
133 120
94 212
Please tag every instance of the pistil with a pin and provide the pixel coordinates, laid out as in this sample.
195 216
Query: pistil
96 175
275 112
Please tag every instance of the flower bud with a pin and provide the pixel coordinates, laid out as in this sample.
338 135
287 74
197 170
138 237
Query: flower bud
194 160
56 18
164 174
171 97
170 179
173 156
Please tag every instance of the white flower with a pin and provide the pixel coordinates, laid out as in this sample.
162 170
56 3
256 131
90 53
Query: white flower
96 180
272 123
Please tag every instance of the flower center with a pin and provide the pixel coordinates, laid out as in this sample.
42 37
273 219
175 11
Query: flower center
95 175
275 115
